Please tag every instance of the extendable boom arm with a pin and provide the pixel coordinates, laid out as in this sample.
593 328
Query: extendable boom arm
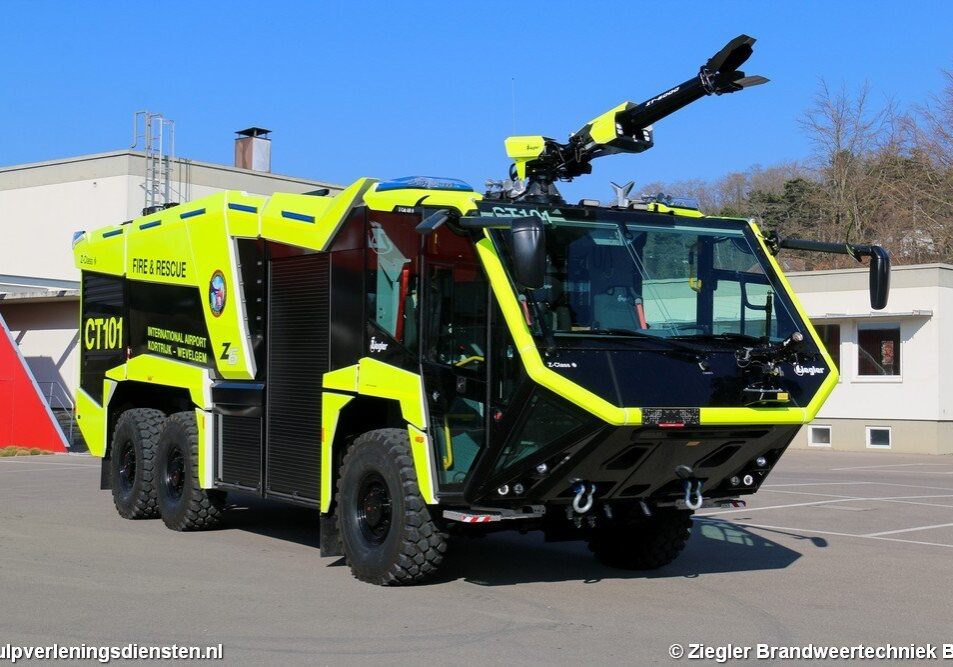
627 128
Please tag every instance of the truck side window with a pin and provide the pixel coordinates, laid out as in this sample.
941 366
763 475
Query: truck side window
456 317
392 276
455 328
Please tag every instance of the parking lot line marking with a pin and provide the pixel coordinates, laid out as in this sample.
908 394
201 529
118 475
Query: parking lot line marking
27 461
916 486
819 502
808 493
908 530
768 487
779 507
889 465
830 532
831 495
771 486
40 469
917 472
912 502
799 530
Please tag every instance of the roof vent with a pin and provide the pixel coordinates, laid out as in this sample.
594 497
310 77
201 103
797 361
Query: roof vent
253 149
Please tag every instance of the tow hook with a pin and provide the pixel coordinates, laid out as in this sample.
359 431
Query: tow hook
699 501
688 475
583 490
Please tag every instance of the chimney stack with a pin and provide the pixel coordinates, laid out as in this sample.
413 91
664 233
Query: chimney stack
253 149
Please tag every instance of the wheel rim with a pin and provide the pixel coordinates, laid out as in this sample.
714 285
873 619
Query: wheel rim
127 467
175 474
374 508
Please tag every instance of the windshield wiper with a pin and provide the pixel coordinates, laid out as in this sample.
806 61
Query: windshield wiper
642 335
728 336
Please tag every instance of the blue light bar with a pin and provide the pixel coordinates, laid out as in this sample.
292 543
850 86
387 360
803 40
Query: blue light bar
424 183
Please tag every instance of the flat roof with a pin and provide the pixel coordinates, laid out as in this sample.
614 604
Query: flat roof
38 296
12 283
873 315
901 276
129 162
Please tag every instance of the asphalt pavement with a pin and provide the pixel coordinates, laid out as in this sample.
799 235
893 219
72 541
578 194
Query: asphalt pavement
837 549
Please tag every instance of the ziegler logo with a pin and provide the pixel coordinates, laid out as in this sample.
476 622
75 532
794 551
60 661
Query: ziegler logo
808 370
561 364
377 345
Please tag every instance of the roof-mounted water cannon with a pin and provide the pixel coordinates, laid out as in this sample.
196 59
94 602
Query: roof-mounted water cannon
626 128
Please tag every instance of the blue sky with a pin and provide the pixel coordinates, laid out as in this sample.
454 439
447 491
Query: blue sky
392 89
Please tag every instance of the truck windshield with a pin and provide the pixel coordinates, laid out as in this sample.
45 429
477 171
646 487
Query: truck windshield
669 281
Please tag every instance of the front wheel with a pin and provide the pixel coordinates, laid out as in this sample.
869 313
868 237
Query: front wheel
388 535
646 544
183 503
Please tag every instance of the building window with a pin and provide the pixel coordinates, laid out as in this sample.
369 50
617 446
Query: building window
819 436
878 349
830 336
878 437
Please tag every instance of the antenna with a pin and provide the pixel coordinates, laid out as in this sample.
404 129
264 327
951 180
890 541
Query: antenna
513 100
156 133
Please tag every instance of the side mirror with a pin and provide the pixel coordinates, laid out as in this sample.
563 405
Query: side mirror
879 262
879 277
528 245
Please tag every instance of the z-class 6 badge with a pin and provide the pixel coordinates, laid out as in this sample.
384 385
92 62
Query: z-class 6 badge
216 293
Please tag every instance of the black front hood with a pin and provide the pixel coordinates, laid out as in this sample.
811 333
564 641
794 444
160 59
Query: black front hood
648 378
624 462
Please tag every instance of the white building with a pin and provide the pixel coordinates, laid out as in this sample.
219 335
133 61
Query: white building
42 204
896 373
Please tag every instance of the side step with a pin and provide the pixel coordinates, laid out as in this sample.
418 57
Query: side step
491 514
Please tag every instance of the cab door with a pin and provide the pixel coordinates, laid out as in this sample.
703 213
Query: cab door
454 354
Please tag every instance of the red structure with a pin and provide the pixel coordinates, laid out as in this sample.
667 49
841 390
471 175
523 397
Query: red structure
25 418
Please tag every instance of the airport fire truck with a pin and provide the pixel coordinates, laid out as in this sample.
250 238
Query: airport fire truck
416 360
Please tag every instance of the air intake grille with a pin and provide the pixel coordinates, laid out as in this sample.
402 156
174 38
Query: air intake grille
105 291
297 358
241 451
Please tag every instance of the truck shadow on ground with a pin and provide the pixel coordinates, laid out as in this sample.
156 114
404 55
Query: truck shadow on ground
505 559
715 547
271 519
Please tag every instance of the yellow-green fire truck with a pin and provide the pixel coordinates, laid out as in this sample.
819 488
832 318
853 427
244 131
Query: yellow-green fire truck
415 359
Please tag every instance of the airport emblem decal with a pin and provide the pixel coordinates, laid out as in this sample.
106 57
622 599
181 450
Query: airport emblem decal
216 293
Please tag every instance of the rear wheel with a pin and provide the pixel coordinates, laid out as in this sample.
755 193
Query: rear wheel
132 462
645 544
183 503
388 535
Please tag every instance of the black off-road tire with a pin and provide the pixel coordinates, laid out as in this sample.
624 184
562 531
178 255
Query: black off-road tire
132 462
644 545
183 504
387 532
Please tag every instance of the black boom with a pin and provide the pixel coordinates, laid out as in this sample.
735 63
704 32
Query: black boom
631 127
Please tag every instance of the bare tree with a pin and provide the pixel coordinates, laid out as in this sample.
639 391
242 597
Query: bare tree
845 131
875 174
